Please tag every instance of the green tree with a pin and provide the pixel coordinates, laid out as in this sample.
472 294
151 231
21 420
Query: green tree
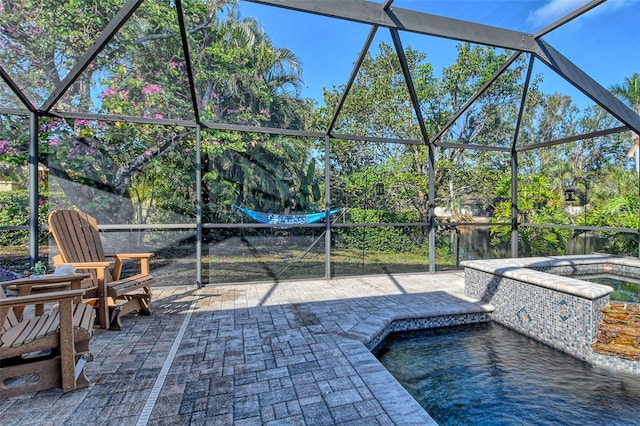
538 203
616 205
240 76
379 105
269 174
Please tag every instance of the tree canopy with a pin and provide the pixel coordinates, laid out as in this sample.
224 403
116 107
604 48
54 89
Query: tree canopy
129 170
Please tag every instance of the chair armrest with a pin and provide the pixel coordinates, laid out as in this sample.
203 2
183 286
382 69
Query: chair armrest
91 265
18 303
43 284
57 261
101 268
133 255
48 279
144 262
32 299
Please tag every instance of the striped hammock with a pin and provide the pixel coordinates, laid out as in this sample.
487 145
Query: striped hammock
279 219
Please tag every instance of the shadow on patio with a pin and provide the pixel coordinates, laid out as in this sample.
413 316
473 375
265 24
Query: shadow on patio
289 352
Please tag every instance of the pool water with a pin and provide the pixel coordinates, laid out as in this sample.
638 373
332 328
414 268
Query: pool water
625 289
487 374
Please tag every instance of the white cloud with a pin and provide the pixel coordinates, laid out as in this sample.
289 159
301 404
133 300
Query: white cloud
554 10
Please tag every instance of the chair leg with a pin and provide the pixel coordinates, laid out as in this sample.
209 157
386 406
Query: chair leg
132 304
67 346
145 303
103 308
115 323
136 302
82 381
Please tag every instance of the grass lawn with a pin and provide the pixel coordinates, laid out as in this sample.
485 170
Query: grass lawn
177 265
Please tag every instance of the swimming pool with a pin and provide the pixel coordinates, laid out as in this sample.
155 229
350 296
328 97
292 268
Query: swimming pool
487 374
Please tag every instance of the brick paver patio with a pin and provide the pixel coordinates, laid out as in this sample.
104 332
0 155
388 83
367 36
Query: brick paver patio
288 353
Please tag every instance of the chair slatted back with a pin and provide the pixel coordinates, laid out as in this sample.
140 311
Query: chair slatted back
77 237
8 318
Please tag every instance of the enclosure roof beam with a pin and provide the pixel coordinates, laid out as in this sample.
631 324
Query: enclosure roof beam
387 4
409 81
352 77
475 96
263 130
222 126
377 139
473 147
121 118
587 85
573 15
523 100
371 13
300 133
187 61
15 89
574 138
15 111
103 39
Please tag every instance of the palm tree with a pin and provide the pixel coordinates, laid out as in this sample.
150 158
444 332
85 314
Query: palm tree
244 71
251 81
629 92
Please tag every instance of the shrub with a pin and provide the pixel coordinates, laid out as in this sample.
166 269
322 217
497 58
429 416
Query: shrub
14 211
379 238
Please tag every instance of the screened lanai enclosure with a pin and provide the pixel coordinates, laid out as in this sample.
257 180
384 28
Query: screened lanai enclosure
290 139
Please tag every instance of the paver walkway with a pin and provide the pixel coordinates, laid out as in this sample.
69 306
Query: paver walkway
289 353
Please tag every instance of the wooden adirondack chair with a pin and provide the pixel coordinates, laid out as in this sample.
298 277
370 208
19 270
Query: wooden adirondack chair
77 237
44 350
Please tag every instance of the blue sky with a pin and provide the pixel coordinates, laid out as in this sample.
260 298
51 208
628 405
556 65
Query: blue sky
603 42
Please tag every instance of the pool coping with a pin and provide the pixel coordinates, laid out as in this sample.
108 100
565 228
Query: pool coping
532 270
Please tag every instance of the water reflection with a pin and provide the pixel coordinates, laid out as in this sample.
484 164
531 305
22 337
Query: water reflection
474 243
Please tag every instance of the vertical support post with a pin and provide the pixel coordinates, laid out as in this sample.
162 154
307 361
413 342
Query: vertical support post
514 203
586 201
395 36
327 203
514 163
457 234
34 229
432 208
198 208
